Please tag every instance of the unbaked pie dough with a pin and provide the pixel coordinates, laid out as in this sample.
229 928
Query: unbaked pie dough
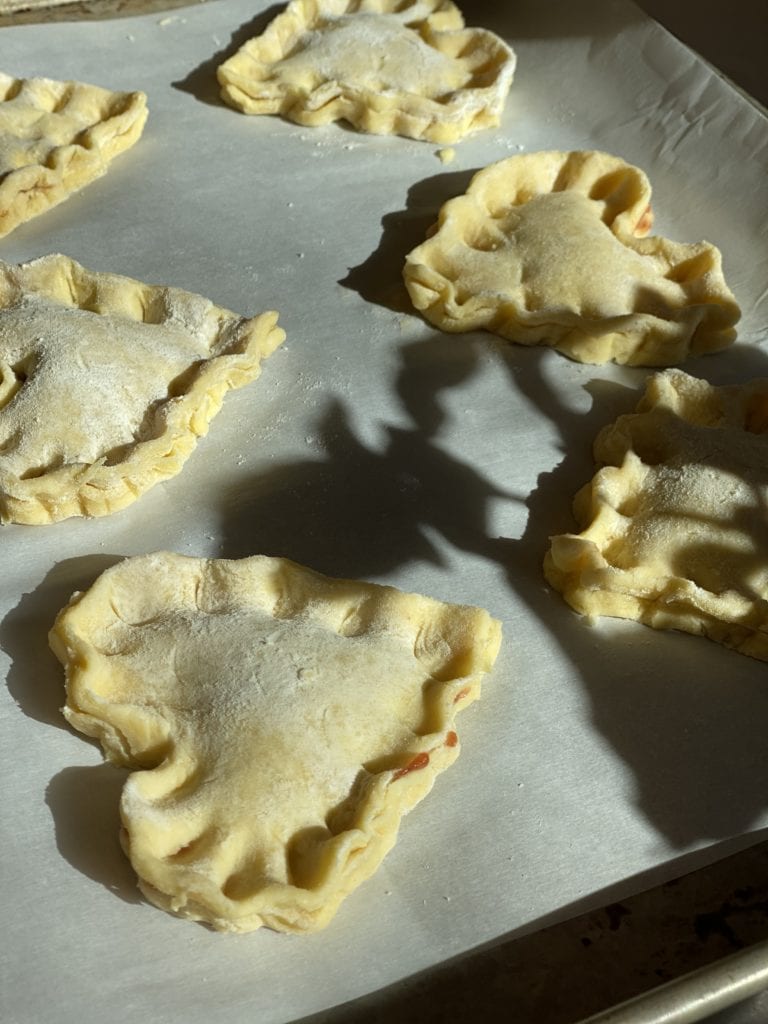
56 137
384 66
675 524
548 248
278 725
107 383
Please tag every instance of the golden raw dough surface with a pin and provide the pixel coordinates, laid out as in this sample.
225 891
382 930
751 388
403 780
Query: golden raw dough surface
106 384
675 524
56 137
383 66
548 248
278 725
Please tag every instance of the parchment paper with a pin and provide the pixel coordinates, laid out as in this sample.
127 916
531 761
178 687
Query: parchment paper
374 446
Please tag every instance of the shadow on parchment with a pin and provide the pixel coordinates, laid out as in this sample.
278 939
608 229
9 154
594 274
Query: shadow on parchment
362 510
661 703
685 714
379 279
85 805
201 81
83 801
36 679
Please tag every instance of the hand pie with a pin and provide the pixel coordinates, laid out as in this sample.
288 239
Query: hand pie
547 248
279 724
386 67
106 384
674 527
56 137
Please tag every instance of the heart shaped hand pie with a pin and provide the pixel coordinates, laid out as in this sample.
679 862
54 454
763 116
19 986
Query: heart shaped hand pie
279 724
546 248
383 66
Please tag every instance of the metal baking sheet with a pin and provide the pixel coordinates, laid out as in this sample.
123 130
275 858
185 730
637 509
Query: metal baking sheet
373 446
